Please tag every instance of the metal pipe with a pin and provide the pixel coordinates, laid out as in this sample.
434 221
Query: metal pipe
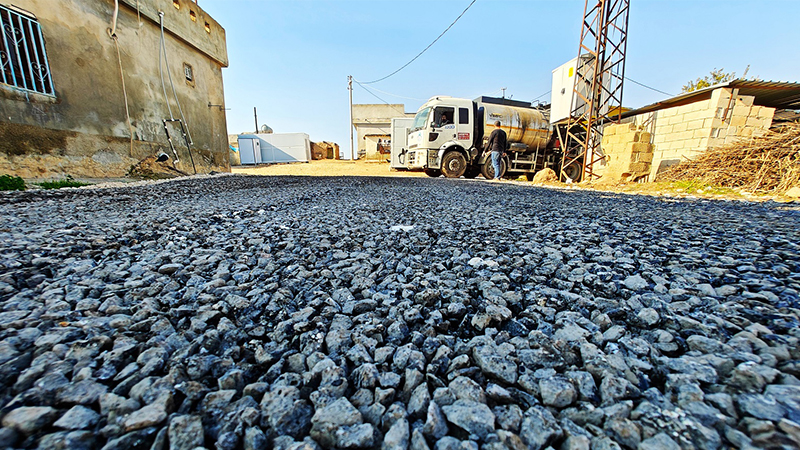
27 55
46 62
38 62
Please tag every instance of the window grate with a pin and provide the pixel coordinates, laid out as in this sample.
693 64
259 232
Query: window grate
22 53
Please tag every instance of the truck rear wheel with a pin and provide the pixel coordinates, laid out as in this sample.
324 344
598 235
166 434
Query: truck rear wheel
487 169
434 173
573 172
454 164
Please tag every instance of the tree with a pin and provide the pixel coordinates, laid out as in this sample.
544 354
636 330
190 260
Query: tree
716 76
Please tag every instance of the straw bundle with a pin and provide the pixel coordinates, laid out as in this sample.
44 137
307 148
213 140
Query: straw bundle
769 163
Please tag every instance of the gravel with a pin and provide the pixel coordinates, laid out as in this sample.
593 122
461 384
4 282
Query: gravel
364 313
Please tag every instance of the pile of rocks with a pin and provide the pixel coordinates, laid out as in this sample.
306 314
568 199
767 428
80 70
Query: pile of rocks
301 313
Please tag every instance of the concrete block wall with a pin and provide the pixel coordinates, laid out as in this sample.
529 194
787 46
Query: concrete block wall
685 131
628 152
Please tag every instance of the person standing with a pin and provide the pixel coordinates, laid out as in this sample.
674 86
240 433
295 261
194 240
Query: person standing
497 145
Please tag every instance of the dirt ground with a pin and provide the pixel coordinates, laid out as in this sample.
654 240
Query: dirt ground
328 168
336 168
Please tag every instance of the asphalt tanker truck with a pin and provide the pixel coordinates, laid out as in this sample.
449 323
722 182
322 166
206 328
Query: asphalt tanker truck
449 137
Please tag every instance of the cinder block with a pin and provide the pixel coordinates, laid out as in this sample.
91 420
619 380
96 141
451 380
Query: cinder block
694 144
639 167
745 132
695 124
767 114
755 122
680 127
741 110
745 100
711 122
703 104
704 143
720 95
669 112
700 114
645 137
644 157
686 135
659 138
701 133
640 147
738 121
715 142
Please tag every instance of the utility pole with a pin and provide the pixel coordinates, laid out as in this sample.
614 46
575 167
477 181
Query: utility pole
504 92
350 88
255 116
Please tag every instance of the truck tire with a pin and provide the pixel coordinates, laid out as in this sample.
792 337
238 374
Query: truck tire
574 172
433 173
487 169
454 164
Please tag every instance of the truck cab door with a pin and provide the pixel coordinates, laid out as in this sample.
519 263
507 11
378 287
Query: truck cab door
464 128
443 126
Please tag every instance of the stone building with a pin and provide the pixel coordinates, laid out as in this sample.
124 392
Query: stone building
684 126
373 124
88 85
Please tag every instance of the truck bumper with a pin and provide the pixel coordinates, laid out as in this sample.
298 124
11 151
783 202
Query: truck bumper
423 159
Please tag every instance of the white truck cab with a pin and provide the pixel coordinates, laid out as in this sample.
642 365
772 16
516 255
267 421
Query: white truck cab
441 124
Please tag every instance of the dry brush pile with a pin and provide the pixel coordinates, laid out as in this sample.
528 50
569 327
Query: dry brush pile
766 164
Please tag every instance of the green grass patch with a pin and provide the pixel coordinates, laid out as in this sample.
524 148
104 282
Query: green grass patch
11 183
63 183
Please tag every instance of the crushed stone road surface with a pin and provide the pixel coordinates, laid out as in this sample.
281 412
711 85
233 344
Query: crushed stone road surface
302 313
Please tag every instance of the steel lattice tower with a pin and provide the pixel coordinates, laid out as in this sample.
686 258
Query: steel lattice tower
597 91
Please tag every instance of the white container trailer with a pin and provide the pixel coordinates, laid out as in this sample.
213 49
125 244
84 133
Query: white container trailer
399 150
274 148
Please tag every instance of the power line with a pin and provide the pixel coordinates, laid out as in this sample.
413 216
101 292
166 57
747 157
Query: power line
394 95
648 87
376 96
537 98
426 48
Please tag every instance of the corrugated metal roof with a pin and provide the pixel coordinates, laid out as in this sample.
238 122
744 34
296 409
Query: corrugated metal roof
774 94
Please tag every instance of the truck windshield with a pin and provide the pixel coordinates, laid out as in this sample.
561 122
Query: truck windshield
421 119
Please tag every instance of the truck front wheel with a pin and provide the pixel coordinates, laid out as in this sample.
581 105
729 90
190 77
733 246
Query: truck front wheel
487 169
454 164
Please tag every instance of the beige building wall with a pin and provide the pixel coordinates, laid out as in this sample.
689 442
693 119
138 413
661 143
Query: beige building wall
683 132
373 122
83 129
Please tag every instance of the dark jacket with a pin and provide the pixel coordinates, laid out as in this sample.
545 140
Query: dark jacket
497 141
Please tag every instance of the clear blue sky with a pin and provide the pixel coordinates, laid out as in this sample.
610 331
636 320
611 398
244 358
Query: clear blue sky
291 59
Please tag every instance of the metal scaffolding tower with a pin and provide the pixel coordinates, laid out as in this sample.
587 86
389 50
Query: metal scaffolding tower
597 91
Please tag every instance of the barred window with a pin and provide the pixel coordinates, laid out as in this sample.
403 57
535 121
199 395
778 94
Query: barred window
22 53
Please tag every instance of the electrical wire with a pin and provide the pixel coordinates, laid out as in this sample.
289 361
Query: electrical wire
648 87
161 67
112 33
114 17
124 92
537 98
426 48
169 75
376 96
394 95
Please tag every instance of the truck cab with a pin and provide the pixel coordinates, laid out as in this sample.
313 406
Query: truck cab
441 139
